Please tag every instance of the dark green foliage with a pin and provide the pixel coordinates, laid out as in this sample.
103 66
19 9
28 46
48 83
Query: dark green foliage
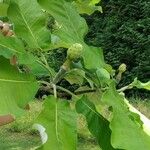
123 31
57 58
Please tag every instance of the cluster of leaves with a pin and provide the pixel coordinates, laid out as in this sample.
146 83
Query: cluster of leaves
24 62
123 32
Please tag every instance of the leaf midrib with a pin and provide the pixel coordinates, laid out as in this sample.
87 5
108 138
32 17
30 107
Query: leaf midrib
10 49
14 81
29 29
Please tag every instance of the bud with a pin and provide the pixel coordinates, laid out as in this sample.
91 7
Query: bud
75 51
122 68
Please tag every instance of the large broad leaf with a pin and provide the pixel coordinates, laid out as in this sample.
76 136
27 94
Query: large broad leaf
10 46
60 123
29 23
87 6
16 89
34 65
75 76
141 85
144 119
3 9
97 124
71 29
127 126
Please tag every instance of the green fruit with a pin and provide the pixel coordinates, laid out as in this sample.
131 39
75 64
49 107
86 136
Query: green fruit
75 51
122 68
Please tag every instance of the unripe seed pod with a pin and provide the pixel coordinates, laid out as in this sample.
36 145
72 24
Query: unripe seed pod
122 68
75 51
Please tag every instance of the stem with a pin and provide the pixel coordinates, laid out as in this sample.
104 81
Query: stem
118 77
44 59
125 88
49 87
46 67
51 91
55 90
45 82
62 71
85 91
67 91
59 75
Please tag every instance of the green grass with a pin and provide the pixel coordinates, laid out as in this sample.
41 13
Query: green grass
18 140
19 135
142 105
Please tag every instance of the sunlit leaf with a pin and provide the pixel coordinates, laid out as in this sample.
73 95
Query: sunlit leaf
10 46
127 127
29 23
3 9
97 124
16 89
141 85
59 122
75 76
87 6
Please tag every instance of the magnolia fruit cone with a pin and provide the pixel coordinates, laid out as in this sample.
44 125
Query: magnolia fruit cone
122 68
75 51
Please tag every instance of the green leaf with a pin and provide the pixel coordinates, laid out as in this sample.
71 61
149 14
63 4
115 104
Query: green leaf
141 85
75 76
93 96
103 76
37 69
60 123
127 126
93 57
16 89
144 119
34 65
97 124
10 46
68 20
29 23
87 6
71 29
3 9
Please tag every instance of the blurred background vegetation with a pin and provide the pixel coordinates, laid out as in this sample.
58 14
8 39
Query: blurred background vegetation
123 31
